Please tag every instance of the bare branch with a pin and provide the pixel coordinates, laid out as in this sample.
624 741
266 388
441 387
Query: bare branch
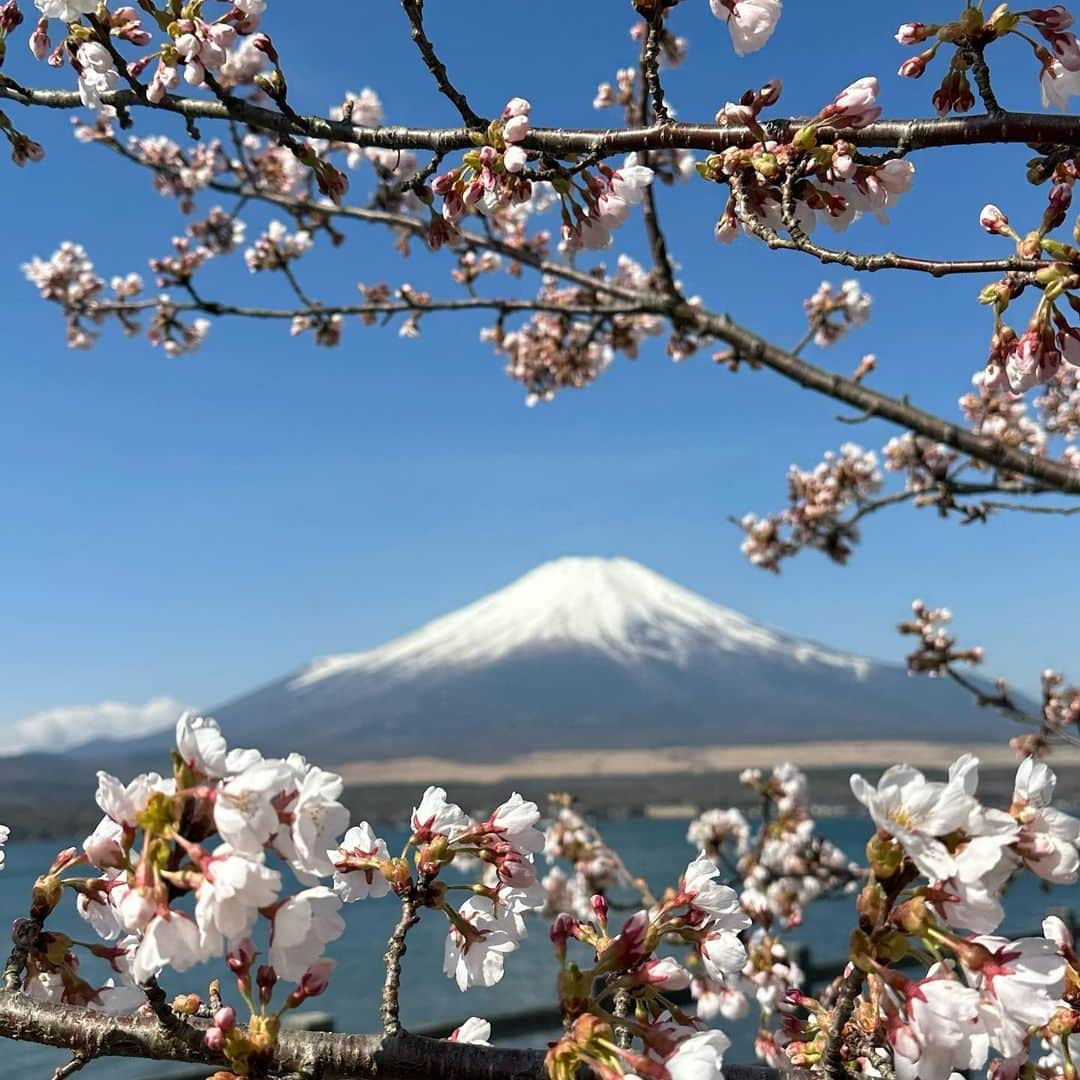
390 1008
414 10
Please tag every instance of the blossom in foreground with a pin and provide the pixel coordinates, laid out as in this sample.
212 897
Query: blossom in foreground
1048 837
475 1031
303 925
700 1057
437 817
1020 984
943 1032
477 945
917 813
68 11
356 877
750 22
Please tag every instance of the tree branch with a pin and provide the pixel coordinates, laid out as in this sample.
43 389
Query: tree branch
390 1008
414 10
917 133
1052 474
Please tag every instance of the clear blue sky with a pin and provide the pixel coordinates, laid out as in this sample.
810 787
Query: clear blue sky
193 527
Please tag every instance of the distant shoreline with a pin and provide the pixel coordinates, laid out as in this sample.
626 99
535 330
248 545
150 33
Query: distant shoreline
676 782
683 760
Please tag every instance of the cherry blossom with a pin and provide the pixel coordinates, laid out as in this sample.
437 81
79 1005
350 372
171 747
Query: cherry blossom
475 1031
943 1031
917 813
750 22
478 943
356 875
68 11
437 817
201 745
1048 838
233 889
303 925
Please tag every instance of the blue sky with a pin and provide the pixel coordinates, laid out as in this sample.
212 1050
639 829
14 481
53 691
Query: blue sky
193 527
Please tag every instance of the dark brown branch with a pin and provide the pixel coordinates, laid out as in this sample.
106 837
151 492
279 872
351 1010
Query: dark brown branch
797 240
843 1008
390 1005
414 10
650 59
752 347
756 349
650 69
911 134
329 1055
981 72
72 1067
472 303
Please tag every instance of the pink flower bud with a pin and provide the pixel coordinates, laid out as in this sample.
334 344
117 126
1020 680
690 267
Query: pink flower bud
265 979
514 159
39 40
214 1039
516 128
911 33
316 979
993 220
599 906
563 928
263 43
242 957
225 1018
913 67
516 107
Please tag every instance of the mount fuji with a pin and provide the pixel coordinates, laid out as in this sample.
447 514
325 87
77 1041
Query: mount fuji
590 653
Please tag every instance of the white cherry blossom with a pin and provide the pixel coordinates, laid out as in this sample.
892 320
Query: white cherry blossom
201 745
1048 838
475 1030
917 812
750 22
68 11
233 888
700 1057
354 883
303 925
480 962
244 809
437 817
171 939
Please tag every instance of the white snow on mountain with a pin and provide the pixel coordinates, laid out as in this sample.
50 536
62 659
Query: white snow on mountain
615 607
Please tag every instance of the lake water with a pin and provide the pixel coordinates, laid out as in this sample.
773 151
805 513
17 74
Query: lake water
656 849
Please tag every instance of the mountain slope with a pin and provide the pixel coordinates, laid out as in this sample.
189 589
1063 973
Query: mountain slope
590 653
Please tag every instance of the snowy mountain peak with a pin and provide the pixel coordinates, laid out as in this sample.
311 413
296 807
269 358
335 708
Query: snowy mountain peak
616 607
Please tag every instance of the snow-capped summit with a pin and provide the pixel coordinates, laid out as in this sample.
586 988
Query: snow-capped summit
589 653
613 606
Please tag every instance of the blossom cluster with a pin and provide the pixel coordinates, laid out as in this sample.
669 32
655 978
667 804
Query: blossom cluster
778 186
193 866
974 31
699 912
940 862
936 654
552 351
818 500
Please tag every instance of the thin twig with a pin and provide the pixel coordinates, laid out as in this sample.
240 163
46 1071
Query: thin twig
414 10
390 1007
73 1066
